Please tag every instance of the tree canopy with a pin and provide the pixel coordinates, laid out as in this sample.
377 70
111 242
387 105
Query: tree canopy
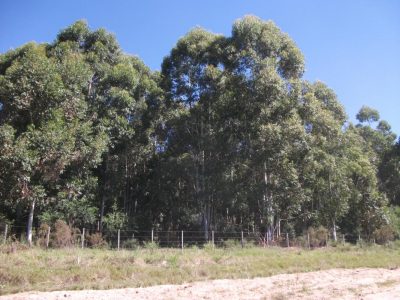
227 136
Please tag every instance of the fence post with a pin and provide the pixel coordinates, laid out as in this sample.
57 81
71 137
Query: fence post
182 240
343 239
119 238
241 240
308 241
287 240
5 233
83 238
152 235
212 237
48 237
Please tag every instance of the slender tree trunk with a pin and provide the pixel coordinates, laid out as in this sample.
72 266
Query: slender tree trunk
203 196
334 230
126 182
268 200
334 218
30 222
104 195
103 202
278 229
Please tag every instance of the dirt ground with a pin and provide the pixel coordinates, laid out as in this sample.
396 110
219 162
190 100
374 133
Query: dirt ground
328 284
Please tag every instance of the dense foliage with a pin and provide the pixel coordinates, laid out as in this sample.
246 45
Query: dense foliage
227 136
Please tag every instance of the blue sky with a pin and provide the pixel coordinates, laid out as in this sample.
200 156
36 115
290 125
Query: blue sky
353 46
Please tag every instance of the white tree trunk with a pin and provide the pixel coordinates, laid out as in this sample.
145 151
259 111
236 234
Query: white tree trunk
334 231
30 222
268 200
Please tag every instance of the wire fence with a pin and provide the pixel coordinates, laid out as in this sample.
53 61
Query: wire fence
132 239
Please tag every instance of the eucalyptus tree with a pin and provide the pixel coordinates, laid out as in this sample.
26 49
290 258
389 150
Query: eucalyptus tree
389 174
124 102
324 172
190 80
238 97
42 129
264 68
379 143
367 202
67 110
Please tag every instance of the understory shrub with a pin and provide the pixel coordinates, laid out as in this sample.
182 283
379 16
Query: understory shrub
318 236
96 240
231 243
42 235
384 234
63 236
131 244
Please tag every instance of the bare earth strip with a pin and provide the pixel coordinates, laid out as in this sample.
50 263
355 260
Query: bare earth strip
329 284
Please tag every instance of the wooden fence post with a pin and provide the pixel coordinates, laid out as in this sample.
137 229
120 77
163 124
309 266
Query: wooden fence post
212 237
119 238
48 237
287 240
308 241
152 235
5 233
241 240
83 238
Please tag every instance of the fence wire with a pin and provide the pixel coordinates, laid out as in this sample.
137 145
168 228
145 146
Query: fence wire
131 239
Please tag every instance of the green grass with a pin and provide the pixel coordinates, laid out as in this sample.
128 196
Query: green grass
56 269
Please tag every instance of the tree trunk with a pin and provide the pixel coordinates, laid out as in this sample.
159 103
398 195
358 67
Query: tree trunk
278 228
203 195
334 231
105 182
103 202
268 200
30 222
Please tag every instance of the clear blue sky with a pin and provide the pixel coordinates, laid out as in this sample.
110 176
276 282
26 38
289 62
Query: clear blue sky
353 46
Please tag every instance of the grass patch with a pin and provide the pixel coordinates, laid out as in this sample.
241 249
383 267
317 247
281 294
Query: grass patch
57 269
388 283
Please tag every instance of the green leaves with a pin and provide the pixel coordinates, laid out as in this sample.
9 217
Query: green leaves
259 40
367 114
29 87
227 135
115 219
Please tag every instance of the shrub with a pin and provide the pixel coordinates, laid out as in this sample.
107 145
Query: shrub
12 245
318 236
151 245
96 240
231 243
63 235
42 235
384 234
208 246
131 244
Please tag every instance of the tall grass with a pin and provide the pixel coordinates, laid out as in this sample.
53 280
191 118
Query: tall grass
57 269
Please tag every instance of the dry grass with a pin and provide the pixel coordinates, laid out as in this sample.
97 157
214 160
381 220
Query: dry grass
58 269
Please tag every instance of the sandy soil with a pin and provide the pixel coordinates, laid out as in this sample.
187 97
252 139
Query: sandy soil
329 284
